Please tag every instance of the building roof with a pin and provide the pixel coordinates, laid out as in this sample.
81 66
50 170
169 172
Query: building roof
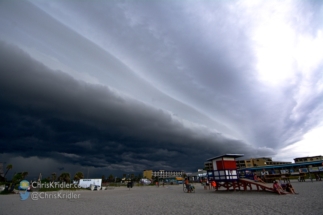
282 166
280 161
227 155
308 157
258 158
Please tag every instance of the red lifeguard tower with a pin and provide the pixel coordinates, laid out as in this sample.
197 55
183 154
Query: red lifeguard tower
224 171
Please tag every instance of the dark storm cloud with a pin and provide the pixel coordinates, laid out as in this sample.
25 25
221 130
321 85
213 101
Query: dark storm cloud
189 68
47 113
67 47
178 58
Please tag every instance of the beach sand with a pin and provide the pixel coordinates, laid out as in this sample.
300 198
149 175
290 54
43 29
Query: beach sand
172 200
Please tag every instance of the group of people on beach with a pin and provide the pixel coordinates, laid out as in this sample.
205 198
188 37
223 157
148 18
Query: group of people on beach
204 182
284 189
257 179
207 184
279 188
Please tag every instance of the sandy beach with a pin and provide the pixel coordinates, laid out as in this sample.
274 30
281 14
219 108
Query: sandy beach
172 200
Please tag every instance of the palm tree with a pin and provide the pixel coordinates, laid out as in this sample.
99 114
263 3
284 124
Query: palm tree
17 178
65 176
9 167
111 178
24 174
54 176
78 176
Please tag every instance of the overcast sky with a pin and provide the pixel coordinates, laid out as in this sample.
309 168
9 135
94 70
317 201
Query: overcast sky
122 86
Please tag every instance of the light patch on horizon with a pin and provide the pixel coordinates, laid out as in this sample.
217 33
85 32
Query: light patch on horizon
310 145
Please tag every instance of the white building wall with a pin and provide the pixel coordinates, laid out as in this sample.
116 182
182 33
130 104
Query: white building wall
214 165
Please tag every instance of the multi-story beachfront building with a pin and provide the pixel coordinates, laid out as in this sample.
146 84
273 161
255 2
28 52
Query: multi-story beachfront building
241 164
147 174
162 173
208 165
256 162
308 159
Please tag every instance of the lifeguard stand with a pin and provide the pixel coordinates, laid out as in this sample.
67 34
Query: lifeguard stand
224 171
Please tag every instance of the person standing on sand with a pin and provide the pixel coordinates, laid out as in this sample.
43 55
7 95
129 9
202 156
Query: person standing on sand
213 183
187 184
204 183
262 174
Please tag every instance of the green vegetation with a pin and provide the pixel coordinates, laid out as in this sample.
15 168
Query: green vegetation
54 176
9 167
65 177
78 176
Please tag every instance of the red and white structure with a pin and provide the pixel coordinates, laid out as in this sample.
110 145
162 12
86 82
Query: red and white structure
224 170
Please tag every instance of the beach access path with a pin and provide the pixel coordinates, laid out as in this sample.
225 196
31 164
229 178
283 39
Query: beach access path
172 200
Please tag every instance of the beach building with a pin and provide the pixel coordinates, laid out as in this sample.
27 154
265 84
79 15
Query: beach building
292 168
308 159
258 162
173 180
147 174
197 176
208 165
162 173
